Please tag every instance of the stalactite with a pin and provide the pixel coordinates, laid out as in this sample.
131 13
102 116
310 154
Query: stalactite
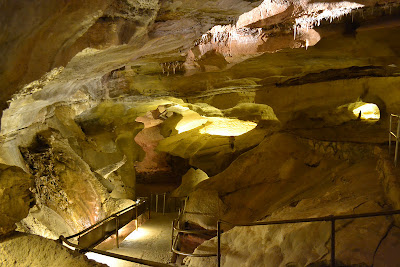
171 67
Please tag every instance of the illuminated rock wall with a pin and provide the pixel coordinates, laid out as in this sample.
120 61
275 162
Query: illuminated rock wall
262 96
287 177
15 197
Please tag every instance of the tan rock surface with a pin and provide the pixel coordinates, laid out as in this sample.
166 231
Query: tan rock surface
189 181
282 182
19 249
15 196
297 67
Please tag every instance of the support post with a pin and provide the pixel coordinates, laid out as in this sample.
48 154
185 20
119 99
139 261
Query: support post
397 141
151 201
137 222
156 203
163 209
219 243
116 230
149 207
172 234
333 260
390 133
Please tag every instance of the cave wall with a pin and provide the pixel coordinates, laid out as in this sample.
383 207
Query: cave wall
288 177
105 95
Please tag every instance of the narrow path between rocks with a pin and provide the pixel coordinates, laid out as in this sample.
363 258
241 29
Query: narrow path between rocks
151 241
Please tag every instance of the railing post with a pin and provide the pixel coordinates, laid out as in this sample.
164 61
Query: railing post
157 203
172 234
397 141
219 243
151 201
163 209
116 230
390 133
333 260
137 220
148 204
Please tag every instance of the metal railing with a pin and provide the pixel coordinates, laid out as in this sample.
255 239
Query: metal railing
175 238
114 255
332 219
112 223
166 202
397 136
163 195
98 232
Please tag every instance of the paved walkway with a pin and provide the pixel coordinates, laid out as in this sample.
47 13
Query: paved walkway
151 241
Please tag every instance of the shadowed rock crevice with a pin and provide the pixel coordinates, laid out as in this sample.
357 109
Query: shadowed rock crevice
341 74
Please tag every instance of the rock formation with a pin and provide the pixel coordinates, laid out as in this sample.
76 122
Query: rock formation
284 105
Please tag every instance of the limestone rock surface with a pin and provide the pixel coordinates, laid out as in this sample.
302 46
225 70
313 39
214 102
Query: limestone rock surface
19 249
15 196
282 182
101 85
189 182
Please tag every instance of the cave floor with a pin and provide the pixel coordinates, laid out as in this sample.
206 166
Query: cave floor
151 241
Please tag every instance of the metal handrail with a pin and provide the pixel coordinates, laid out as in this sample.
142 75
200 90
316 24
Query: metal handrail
397 136
164 195
173 249
112 216
198 231
175 240
331 218
320 219
114 255
106 253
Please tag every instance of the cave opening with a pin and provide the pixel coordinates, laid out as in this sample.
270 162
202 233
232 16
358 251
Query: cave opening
367 111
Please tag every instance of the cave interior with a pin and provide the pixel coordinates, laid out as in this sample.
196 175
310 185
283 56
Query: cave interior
235 110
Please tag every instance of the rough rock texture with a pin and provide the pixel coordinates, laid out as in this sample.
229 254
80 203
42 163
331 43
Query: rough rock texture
189 181
211 143
290 169
53 32
45 222
15 196
388 175
203 207
285 178
260 95
65 184
18 249
84 157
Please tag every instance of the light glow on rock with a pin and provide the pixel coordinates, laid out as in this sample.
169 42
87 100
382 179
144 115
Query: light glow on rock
368 112
227 127
187 125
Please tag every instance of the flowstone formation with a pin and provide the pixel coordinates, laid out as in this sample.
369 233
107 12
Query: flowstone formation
255 110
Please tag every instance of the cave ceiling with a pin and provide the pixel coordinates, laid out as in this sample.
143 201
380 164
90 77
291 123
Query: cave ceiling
100 98
303 59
